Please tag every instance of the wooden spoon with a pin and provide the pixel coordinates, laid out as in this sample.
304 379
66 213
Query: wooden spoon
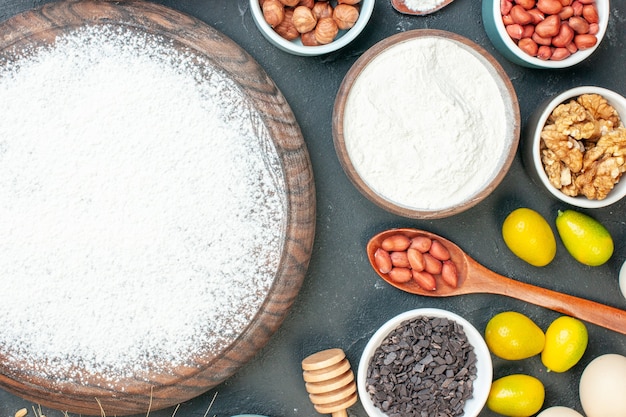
330 382
401 7
475 278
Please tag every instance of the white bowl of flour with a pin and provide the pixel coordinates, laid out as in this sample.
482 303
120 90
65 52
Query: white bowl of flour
426 124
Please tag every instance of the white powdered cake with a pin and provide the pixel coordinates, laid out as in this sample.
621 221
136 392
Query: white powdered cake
142 208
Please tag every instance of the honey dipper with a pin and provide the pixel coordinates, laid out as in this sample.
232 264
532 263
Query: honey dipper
329 382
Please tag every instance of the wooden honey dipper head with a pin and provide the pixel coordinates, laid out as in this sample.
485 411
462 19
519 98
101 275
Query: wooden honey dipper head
329 382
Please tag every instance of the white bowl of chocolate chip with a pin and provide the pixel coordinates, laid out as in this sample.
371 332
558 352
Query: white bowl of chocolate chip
575 146
425 360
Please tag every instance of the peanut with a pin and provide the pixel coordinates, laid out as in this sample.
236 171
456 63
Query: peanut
544 52
578 8
549 27
585 41
421 243
520 15
537 15
550 6
539 40
382 259
590 13
507 20
416 259
432 264
564 37
449 274
566 13
438 251
21 412
400 275
399 259
578 24
566 3
594 28
505 7
528 31
560 53
529 46
396 243
515 31
526 4
572 48
425 280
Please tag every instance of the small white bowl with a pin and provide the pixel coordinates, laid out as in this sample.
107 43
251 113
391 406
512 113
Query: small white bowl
532 142
484 374
295 47
496 31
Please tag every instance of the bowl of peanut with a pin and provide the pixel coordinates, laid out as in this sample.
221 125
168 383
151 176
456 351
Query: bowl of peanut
546 34
311 27
575 145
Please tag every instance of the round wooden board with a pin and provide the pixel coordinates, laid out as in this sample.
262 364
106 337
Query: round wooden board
140 395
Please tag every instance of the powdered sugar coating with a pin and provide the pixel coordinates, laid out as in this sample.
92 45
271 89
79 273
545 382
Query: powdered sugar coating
142 210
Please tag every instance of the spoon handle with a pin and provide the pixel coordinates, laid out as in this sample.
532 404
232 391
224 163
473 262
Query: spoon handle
590 311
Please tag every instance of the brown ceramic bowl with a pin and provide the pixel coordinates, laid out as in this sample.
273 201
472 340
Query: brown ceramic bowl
383 124
150 388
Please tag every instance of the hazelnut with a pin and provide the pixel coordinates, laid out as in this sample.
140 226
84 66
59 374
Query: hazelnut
322 9
326 30
307 3
273 12
290 3
286 29
345 16
303 19
308 39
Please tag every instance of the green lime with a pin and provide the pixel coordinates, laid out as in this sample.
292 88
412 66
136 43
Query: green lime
585 238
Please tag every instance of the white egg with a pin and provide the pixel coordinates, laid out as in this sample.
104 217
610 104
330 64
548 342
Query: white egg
559 411
602 387
622 279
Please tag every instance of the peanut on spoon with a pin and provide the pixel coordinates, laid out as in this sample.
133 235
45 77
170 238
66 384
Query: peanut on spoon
468 277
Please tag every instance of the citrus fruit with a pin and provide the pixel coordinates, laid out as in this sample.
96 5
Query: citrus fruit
511 335
529 236
585 238
566 341
516 395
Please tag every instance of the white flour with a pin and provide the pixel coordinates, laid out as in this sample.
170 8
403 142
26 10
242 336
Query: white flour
425 124
140 211
422 5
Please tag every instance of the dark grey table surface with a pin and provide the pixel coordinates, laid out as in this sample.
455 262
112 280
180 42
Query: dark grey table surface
342 301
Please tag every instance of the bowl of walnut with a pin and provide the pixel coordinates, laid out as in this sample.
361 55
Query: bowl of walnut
311 27
575 146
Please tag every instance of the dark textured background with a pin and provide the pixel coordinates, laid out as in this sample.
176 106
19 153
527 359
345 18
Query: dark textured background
342 301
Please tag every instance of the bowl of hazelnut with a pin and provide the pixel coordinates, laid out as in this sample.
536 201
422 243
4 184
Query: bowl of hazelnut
311 27
575 144
546 34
